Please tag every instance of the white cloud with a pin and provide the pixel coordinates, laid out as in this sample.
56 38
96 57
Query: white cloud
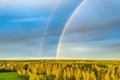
28 19
27 58
32 3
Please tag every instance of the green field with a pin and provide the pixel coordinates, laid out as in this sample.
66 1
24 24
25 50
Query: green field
9 76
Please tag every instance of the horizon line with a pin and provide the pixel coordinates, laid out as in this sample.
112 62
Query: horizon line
53 58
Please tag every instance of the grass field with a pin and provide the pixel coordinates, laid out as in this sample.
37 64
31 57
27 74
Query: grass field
9 76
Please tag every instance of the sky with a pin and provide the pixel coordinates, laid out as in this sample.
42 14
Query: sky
93 32
31 28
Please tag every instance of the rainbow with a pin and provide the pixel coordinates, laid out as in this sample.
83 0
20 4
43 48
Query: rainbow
47 26
66 26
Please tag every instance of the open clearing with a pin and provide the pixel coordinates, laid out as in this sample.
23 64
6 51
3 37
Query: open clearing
9 76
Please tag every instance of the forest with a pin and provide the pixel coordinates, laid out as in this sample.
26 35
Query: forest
62 69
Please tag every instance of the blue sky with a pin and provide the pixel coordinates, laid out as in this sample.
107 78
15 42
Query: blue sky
32 28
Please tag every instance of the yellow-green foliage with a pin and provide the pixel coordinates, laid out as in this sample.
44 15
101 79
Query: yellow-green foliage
63 69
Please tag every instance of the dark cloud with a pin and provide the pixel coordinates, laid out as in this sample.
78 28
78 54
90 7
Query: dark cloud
17 38
93 31
102 31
